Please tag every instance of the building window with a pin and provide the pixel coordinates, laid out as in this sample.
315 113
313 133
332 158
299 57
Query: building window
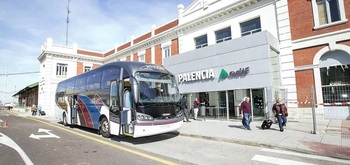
61 69
250 27
328 12
87 68
201 41
223 35
335 83
166 51
142 57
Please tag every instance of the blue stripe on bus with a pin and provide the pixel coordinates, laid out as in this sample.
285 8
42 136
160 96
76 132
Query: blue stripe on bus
92 109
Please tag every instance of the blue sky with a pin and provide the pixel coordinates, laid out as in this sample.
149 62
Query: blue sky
94 24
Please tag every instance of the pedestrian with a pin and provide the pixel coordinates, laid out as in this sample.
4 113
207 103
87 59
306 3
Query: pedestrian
246 111
195 108
280 111
34 109
184 108
39 110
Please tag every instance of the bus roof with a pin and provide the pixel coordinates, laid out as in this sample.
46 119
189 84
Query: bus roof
130 66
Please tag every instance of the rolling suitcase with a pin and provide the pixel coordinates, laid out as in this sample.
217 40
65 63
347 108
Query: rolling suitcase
266 124
42 113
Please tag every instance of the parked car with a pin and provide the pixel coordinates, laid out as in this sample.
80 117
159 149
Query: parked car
8 106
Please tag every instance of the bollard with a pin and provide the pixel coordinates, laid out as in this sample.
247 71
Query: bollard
5 124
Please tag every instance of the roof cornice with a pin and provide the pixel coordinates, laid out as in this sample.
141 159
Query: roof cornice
70 56
180 29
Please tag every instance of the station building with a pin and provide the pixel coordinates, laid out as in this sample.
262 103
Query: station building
219 50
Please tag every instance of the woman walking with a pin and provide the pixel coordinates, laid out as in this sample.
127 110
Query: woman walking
280 111
195 108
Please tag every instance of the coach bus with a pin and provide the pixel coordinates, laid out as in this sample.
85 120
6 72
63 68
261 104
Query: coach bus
121 98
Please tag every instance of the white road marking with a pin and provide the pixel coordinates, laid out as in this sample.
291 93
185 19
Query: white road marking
9 142
273 160
306 155
48 135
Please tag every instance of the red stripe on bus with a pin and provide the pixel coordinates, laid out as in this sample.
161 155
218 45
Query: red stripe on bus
86 114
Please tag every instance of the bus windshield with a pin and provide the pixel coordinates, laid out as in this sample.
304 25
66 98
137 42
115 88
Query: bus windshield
157 87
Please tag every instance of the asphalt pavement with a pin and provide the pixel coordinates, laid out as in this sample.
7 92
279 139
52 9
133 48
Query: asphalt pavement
332 137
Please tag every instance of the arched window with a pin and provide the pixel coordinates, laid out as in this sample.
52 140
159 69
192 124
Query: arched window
335 76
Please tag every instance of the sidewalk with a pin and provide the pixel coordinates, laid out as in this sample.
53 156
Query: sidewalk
332 137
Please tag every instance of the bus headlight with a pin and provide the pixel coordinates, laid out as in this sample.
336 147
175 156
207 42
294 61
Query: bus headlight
141 116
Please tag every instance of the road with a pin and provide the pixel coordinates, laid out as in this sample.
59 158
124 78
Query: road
66 145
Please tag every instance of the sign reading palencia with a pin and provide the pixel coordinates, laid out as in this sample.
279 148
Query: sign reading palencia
209 74
197 75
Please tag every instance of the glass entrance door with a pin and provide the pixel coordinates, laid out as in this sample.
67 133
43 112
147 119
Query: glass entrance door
258 103
257 100
235 98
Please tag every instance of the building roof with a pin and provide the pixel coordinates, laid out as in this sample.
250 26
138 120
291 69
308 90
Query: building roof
27 88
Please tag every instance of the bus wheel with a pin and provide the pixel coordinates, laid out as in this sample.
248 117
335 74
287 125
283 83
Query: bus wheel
104 128
64 118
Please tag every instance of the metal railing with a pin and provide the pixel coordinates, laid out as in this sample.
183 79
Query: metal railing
223 39
202 45
336 93
251 32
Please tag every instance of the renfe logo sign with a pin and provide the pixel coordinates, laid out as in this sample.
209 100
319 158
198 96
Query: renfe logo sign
197 75
239 73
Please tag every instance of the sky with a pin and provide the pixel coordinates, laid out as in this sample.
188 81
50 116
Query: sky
96 25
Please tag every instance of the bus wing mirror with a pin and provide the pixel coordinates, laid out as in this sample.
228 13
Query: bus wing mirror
135 89
115 109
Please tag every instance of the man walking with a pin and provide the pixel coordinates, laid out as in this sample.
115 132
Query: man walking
246 111
184 107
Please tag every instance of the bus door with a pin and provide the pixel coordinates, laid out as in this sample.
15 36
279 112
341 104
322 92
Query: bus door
126 113
114 102
74 108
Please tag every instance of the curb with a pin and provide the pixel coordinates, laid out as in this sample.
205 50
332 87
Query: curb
255 144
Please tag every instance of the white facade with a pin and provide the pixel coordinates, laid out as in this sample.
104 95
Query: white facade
201 17
50 56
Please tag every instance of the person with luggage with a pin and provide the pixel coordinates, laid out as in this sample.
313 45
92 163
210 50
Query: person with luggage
34 109
280 111
246 111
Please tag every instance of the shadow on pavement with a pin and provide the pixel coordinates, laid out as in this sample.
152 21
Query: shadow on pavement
236 126
147 139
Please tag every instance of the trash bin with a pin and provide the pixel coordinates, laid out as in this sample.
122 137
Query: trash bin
202 108
237 113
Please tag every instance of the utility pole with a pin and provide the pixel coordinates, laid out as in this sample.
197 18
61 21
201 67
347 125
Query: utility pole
68 11
3 95
313 109
14 97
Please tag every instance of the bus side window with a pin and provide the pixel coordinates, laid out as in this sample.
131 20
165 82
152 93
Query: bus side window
114 99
